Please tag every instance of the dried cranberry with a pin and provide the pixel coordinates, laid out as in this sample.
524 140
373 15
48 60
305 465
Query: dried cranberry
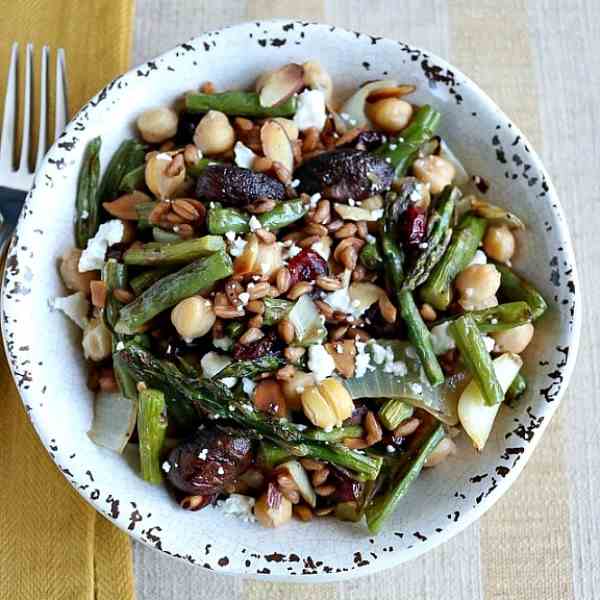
414 225
346 489
256 349
307 266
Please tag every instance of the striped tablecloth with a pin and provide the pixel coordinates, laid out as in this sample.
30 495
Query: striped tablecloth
540 60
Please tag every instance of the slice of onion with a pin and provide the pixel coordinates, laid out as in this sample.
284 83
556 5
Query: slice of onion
298 474
114 420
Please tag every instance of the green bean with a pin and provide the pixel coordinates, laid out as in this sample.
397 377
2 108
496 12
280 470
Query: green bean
517 388
129 155
338 434
393 412
144 280
502 317
370 257
513 287
469 342
162 236
275 310
133 180
239 104
152 429
156 254
234 329
87 219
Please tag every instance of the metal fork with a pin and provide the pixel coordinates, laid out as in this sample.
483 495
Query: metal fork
15 183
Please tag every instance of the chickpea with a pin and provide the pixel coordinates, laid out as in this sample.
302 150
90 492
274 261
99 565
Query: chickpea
69 272
476 284
157 124
390 114
193 317
317 78
499 243
327 404
97 340
273 509
513 340
165 174
434 170
214 134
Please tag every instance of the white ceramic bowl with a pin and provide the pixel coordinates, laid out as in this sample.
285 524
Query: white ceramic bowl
45 353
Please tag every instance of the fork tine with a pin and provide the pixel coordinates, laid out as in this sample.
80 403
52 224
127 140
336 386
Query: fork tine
10 111
28 92
60 116
43 136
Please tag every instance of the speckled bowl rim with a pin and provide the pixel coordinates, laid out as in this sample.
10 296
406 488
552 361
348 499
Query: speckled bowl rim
455 526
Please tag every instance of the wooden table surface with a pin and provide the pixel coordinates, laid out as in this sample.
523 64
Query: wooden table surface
540 60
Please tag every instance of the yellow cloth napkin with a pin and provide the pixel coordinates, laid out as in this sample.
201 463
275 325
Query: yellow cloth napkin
54 545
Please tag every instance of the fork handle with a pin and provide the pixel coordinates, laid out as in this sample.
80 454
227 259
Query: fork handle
11 203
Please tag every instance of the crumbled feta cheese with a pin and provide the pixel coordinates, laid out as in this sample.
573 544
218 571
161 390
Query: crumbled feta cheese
397 368
351 202
393 146
109 233
301 427
166 466
220 471
236 246
295 183
389 448
339 349
203 454
479 259
494 321
328 429
244 156
75 306
314 199
164 156
310 110
320 362
230 235
84 214
362 360
212 363
120 346
378 352
417 388
440 338
291 251
376 214
370 238
254 223
489 343
223 343
244 297
322 249
248 386
238 505
423 245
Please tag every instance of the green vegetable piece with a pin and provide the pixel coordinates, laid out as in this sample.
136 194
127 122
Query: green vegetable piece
252 368
87 207
133 180
234 329
239 104
196 169
348 511
338 434
502 317
438 237
383 506
469 342
513 287
152 428
283 215
370 257
173 254
195 278
162 236
517 388
393 412
463 245
219 221
402 150
144 280
270 455
420 337
143 210
275 310
129 155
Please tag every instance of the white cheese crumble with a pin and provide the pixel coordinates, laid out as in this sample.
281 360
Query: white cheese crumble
310 110
295 183
230 236
166 466
220 471
314 199
75 306
362 360
370 239
442 341
244 297
212 363
320 362
489 343
203 454
248 386
397 368
479 259
291 251
254 223
164 156
236 246
389 448
322 249
120 346
240 506
109 233
223 343
417 388
244 156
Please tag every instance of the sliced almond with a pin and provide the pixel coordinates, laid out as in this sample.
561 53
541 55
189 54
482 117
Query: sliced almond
289 127
279 85
357 213
245 262
396 91
364 294
276 144
343 354
124 207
